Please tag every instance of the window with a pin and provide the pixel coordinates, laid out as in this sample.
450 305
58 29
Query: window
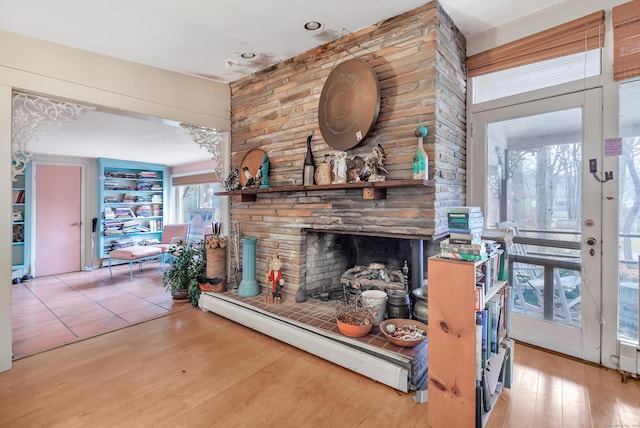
565 53
539 75
190 196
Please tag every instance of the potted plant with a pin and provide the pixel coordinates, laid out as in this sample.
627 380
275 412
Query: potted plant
188 262
354 319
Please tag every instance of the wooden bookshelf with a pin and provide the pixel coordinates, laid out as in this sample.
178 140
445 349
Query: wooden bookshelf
453 366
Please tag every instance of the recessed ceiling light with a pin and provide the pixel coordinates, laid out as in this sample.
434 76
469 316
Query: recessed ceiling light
248 55
312 25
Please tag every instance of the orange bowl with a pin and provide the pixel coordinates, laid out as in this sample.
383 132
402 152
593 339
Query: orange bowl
416 332
352 330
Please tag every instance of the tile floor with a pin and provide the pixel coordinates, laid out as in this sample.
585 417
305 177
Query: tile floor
52 311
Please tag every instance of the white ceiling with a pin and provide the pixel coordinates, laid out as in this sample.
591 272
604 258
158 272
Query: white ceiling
205 38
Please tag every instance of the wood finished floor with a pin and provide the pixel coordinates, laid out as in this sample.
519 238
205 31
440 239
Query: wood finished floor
55 310
191 368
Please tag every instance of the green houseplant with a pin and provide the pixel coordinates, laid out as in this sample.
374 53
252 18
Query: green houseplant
188 262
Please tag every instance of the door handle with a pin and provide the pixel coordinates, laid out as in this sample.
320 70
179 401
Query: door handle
591 241
76 223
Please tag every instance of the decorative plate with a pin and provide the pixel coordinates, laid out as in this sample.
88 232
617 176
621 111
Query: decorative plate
253 161
349 104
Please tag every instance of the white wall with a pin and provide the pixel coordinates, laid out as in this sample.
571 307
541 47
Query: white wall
545 19
56 71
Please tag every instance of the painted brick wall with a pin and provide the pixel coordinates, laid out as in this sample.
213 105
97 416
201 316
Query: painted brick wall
419 58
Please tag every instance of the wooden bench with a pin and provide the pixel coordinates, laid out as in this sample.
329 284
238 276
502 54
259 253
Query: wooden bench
134 254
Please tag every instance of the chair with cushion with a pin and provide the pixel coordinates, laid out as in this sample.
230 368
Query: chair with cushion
171 234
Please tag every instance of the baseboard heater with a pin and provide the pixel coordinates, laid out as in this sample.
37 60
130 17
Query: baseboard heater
378 364
629 359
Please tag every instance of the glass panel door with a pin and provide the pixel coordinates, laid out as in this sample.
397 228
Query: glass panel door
537 169
629 214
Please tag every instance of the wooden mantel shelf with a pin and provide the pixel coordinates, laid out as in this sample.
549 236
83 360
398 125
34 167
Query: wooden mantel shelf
370 190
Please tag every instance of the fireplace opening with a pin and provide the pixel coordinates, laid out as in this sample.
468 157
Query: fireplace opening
344 263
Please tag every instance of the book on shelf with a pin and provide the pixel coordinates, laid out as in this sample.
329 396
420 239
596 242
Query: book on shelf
464 210
468 231
135 229
465 220
147 174
458 223
458 246
143 211
122 212
110 185
478 347
143 185
464 238
455 225
473 215
466 241
484 343
130 223
493 311
460 256
112 232
486 393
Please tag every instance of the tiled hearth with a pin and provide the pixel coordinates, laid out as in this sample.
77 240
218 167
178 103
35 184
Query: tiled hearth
311 326
321 314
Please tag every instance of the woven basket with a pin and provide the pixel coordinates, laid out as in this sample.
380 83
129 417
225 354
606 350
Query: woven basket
216 262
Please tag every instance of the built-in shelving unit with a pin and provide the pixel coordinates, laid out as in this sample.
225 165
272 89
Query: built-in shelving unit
21 211
370 190
132 202
467 368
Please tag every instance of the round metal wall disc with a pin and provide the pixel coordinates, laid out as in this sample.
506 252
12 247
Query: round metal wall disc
349 104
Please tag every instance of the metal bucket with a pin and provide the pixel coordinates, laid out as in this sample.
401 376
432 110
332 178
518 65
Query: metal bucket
398 304
421 307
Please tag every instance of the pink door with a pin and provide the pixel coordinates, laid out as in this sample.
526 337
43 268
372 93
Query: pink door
57 210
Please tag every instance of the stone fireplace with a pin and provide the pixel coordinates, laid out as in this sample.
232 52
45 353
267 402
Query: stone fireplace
318 231
419 59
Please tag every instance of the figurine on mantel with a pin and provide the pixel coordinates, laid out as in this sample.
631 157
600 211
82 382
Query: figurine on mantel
324 171
339 167
248 176
264 173
369 169
374 169
355 166
232 182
